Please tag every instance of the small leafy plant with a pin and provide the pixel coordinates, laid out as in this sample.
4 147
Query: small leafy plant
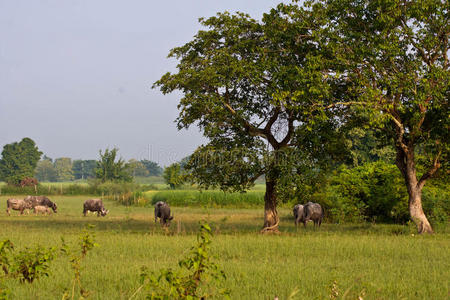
198 277
86 244
32 263
27 265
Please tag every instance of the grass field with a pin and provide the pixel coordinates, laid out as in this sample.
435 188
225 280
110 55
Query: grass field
372 261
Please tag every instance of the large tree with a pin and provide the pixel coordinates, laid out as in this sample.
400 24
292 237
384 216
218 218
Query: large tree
111 168
19 160
83 169
63 166
395 53
173 175
152 167
252 87
137 168
45 171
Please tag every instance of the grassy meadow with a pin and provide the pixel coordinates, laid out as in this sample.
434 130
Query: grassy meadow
351 260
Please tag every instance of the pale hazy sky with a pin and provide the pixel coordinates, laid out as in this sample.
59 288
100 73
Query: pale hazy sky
76 76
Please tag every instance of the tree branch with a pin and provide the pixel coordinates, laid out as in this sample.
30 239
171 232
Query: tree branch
252 130
272 119
411 39
288 136
431 171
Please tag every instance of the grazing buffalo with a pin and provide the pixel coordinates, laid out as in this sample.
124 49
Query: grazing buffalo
308 212
40 209
17 204
313 212
94 205
40 201
162 211
299 214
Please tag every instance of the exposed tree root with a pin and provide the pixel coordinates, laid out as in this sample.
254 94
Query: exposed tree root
271 229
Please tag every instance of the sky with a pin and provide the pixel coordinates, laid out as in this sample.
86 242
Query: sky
76 75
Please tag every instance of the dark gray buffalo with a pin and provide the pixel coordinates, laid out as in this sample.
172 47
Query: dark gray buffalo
94 205
40 201
17 204
308 212
313 212
299 214
162 211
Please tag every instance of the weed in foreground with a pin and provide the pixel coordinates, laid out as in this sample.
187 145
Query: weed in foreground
26 265
86 244
198 277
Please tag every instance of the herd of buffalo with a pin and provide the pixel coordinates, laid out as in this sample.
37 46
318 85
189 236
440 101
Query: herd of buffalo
41 204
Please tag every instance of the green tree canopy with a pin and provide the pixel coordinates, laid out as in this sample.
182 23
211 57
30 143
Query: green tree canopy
110 169
83 169
45 171
395 54
19 160
152 167
63 167
137 168
174 176
254 88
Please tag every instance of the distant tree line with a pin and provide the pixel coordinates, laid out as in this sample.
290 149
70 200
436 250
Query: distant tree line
21 160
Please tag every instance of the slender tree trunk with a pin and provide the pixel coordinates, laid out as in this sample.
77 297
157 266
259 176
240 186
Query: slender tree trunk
416 211
406 164
271 219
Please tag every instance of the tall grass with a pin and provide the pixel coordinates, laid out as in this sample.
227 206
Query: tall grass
210 198
83 188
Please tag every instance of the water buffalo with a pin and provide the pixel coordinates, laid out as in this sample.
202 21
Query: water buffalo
313 212
42 209
17 204
308 212
94 205
299 214
162 211
41 201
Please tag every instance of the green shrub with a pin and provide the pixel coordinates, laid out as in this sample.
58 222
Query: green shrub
28 264
198 277
373 191
32 263
436 204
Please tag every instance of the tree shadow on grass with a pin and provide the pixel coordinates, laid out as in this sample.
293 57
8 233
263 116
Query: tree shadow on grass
185 224
125 225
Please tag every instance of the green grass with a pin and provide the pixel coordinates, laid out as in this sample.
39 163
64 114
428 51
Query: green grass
379 261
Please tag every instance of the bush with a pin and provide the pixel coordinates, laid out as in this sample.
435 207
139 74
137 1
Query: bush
32 263
436 204
374 191
198 277
26 265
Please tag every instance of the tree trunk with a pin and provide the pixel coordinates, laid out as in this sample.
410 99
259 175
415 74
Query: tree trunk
405 162
271 219
416 211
